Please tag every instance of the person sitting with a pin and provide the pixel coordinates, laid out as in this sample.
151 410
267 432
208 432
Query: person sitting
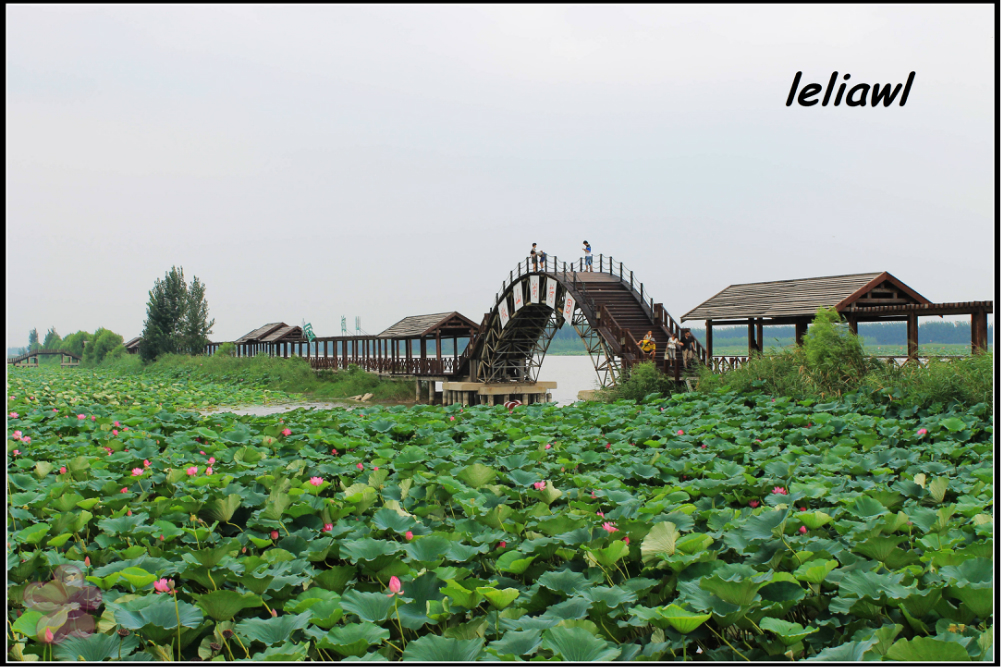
648 345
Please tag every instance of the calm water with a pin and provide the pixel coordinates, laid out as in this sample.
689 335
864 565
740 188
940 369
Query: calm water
571 375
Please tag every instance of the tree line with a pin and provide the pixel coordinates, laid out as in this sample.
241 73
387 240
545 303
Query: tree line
91 347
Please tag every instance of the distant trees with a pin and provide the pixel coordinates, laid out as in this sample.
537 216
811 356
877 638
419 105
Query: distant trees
104 342
75 342
33 340
52 340
176 317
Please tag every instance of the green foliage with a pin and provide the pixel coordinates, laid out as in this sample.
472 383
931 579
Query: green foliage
33 340
642 380
848 529
103 343
75 342
226 350
52 340
176 317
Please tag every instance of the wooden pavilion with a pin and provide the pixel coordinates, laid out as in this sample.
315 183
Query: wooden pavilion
425 328
861 297
132 347
270 338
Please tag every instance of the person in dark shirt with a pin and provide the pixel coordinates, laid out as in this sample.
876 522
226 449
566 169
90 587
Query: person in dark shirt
687 347
535 259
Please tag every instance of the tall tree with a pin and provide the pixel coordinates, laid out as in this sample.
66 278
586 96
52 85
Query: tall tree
104 342
196 325
176 317
52 340
33 340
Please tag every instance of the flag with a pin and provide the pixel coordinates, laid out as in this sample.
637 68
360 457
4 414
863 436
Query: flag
308 329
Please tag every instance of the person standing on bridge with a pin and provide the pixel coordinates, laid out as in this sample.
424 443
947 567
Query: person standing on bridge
648 345
535 259
687 347
671 353
588 258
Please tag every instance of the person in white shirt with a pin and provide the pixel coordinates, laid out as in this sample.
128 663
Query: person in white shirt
587 257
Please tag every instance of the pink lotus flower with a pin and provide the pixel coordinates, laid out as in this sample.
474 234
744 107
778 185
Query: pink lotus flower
334 452
274 534
125 428
451 419
128 513
81 416
125 489
562 469
17 452
626 539
375 468
608 445
680 432
592 495
327 527
395 588
360 466
274 613
802 509
117 424
54 410
757 441
802 529
86 561
13 415
601 514
549 446
146 463
163 585
114 431
193 470
609 527
780 491
409 535
26 440
49 638
93 418
810 425
202 453
109 450
136 472
703 445
211 460
17 435
922 431
539 485
502 544
62 470
316 481
161 538
287 432
754 503
208 471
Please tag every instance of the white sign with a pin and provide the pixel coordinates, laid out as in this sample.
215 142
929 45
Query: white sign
568 308
519 295
502 309
533 289
551 293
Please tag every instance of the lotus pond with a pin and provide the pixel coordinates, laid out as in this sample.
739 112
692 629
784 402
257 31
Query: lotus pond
700 527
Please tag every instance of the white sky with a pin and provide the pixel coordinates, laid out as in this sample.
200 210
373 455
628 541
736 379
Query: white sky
308 162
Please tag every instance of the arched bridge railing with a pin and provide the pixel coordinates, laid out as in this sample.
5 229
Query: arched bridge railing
69 358
516 354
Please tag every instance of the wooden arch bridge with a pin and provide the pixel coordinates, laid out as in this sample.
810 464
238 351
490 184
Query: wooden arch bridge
31 358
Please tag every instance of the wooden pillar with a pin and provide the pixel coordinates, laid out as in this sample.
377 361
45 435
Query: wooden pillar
978 332
760 327
437 349
424 354
853 324
709 339
750 336
912 336
410 347
800 330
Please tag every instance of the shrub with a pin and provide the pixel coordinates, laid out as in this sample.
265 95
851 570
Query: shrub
641 380
227 350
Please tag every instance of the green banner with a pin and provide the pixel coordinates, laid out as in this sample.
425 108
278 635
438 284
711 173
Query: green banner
308 330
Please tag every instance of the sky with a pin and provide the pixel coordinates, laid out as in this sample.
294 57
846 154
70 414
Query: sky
308 162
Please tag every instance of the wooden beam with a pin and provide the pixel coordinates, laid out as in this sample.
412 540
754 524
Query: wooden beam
760 327
750 337
709 338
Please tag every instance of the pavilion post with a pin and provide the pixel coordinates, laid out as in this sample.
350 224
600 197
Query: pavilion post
912 336
853 324
760 328
750 336
437 349
800 330
709 340
978 332
424 354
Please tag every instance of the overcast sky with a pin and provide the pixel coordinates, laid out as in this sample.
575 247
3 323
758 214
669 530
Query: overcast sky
308 162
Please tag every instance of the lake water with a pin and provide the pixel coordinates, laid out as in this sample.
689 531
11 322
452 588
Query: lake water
571 374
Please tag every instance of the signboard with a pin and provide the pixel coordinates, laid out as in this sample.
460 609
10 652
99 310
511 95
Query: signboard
533 289
308 330
551 293
502 309
568 308
519 295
